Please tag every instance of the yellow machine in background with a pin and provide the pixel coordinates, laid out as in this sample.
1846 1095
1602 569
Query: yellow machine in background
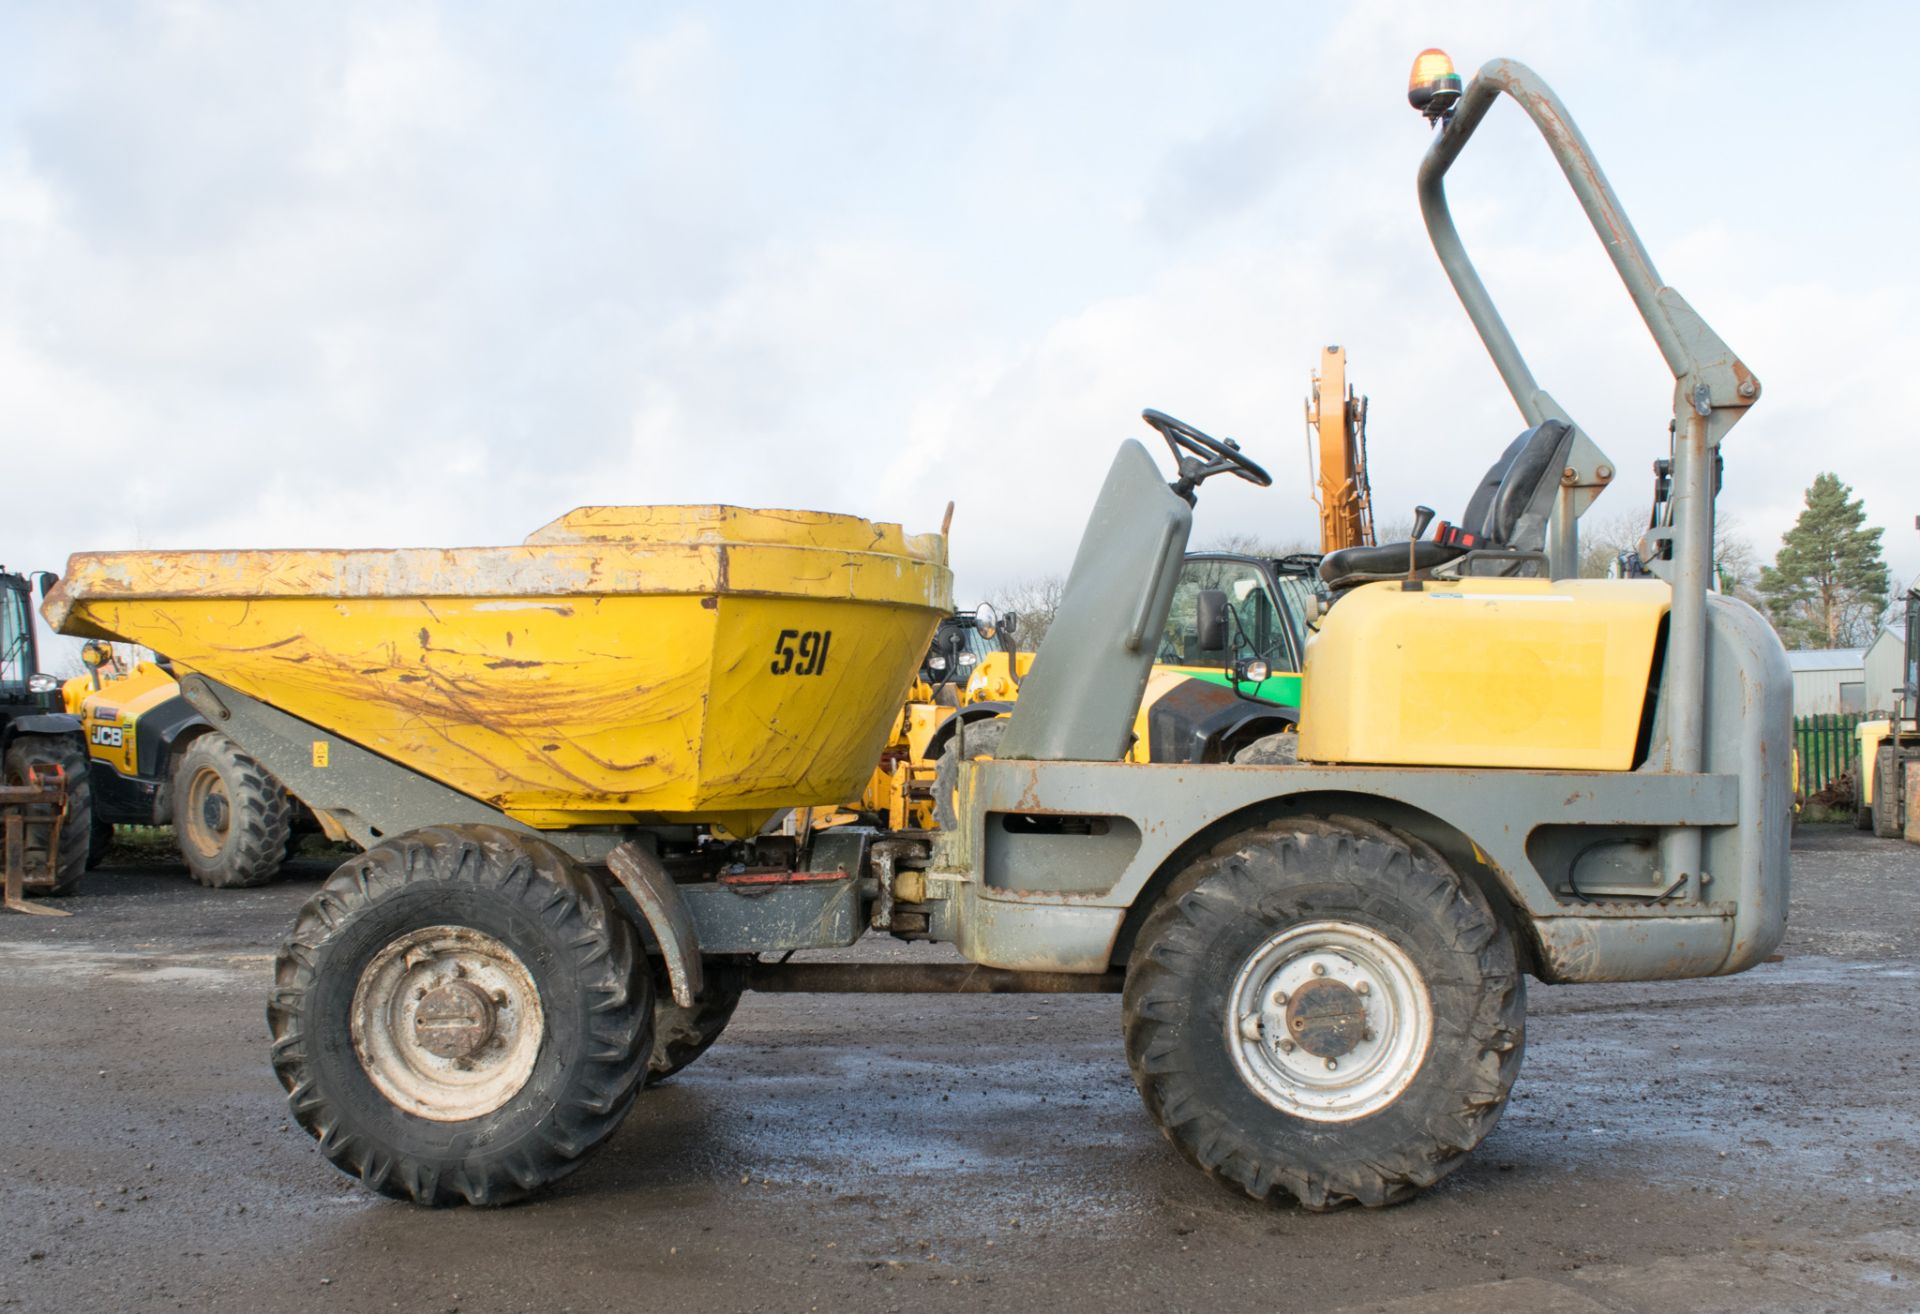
154 760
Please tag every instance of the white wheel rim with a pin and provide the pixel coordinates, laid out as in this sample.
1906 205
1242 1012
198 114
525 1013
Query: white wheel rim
447 1023
1329 1021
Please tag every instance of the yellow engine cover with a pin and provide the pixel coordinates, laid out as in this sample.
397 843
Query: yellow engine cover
1484 673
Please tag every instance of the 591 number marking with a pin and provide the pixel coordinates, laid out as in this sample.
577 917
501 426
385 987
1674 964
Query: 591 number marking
801 652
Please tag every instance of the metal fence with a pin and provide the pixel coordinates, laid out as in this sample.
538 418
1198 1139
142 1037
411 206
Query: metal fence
1828 746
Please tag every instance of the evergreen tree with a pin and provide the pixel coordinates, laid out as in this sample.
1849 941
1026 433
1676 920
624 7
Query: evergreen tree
1828 586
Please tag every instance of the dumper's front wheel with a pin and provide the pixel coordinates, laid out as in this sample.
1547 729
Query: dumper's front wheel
1324 1009
457 1016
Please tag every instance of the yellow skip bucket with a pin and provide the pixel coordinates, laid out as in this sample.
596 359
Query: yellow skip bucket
679 663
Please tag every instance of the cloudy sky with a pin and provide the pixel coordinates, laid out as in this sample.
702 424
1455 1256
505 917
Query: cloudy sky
413 273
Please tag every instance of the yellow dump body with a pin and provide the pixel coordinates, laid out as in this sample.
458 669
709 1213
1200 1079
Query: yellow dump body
1484 673
701 663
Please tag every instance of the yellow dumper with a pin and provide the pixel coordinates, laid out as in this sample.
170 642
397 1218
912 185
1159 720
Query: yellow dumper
563 757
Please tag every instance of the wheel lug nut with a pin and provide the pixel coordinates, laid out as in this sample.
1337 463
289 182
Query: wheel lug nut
1363 989
1279 999
500 998
1286 1047
1319 969
1299 1024
1332 1064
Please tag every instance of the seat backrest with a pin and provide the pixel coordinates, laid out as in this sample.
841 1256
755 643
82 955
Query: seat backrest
1080 699
1510 506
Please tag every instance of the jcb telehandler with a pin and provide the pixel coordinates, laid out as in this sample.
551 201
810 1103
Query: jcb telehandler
562 754
155 761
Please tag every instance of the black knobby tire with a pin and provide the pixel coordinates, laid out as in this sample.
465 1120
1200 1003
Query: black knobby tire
681 1035
1886 795
581 956
231 817
981 739
1220 914
76 829
99 843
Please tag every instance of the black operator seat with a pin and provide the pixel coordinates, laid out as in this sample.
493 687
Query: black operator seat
1508 511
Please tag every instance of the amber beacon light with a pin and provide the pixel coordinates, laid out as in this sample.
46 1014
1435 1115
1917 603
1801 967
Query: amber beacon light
1433 88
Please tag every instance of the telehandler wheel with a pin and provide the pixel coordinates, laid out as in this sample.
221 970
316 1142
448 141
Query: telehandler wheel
982 739
1886 795
459 1015
98 843
230 816
76 828
1323 1008
681 1035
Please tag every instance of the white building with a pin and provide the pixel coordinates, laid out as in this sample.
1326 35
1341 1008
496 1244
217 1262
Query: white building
1829 680
1883 672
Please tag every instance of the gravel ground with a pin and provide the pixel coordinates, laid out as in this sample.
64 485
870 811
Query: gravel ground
1747 1144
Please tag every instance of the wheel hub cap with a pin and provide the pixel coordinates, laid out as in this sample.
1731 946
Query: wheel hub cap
1329 1021
453 1020
1326 1018
447 1023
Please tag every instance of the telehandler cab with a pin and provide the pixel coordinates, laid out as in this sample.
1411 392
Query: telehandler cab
562 755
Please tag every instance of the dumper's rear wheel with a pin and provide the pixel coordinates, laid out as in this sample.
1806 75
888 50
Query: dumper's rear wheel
459 1015
681 1035
1324 1009
230 815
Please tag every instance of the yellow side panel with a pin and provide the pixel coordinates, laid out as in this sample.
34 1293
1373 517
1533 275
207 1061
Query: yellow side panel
1871 735
1491 672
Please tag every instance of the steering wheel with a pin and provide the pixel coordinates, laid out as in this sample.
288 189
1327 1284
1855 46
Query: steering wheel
1201 456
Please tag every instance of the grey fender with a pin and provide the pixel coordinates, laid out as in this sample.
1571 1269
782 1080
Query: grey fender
641 875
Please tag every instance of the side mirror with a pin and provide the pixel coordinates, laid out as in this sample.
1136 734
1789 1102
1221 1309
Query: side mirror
43 684
46 579
1211 620
95 654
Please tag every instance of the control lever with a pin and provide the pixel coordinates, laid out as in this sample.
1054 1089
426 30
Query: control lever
1422 517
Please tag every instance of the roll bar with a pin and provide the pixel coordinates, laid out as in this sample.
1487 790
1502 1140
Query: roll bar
1712 390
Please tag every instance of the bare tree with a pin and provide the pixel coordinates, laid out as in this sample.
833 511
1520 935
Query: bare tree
1036 601
1254 545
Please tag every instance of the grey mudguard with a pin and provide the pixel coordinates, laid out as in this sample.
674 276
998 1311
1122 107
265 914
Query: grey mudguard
1080 701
